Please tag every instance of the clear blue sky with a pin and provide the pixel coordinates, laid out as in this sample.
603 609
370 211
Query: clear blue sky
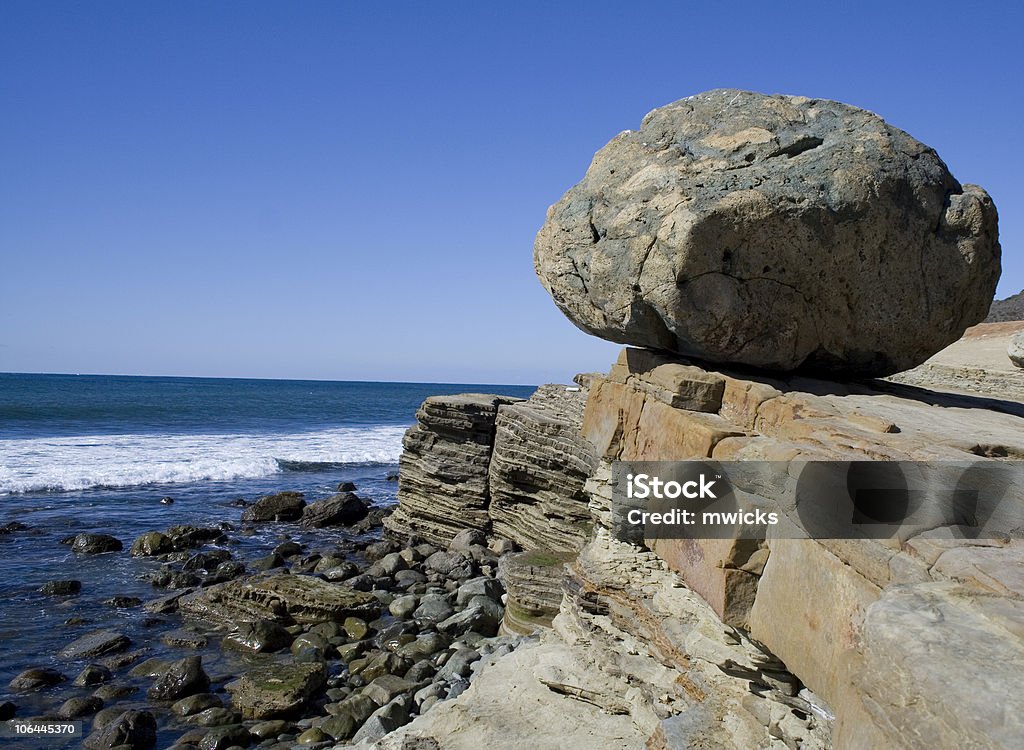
351 190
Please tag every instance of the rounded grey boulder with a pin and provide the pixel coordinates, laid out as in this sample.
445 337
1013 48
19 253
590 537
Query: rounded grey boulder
1015 351
774 231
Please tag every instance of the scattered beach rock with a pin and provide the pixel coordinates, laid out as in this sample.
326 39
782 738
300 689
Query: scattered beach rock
75 708
95 544
341 510
259 636
151 543
282 506
182 678
92 674
95 644
131 730
276 691
774 231
36 678
197 703
60 588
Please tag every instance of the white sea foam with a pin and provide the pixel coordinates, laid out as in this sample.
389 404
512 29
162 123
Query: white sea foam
75 463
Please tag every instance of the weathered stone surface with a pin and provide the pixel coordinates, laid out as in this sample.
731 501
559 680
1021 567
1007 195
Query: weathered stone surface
282 506
259 636
938 671
342 509
443 484
95 644
1015 351
538 468
773 231
282 598
276 690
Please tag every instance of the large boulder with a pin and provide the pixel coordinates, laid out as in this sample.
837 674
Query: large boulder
282 506
774 231
341 510
131 729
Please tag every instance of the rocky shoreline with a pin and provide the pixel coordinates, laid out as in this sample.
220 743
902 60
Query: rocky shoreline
342 643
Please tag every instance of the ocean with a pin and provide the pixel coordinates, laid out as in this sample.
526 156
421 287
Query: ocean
96 453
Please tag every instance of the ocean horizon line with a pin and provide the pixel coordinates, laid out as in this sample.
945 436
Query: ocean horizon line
262 379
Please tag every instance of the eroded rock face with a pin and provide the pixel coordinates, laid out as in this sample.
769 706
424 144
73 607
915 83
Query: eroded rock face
774 231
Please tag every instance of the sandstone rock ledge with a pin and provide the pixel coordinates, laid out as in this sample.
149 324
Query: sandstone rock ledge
915 643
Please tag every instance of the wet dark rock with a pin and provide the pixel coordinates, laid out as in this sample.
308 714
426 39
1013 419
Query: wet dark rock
206 561
183 677
259 636
7 710
267 562
151 543
216 716
282 506
35 679
95 544
95 644
123 602
134 729
61 588
187 536
75 708
340 726
11 527
355 627
197 703
222 738
276 690
167 501
310 647
288 549
92 674
183 639
374 519
166 604
391 477
341 510
346 487
420 671
114 692
269 729
379 664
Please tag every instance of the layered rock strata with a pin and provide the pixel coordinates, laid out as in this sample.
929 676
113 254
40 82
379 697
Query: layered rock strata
508 467
537 471
443 485
788 642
